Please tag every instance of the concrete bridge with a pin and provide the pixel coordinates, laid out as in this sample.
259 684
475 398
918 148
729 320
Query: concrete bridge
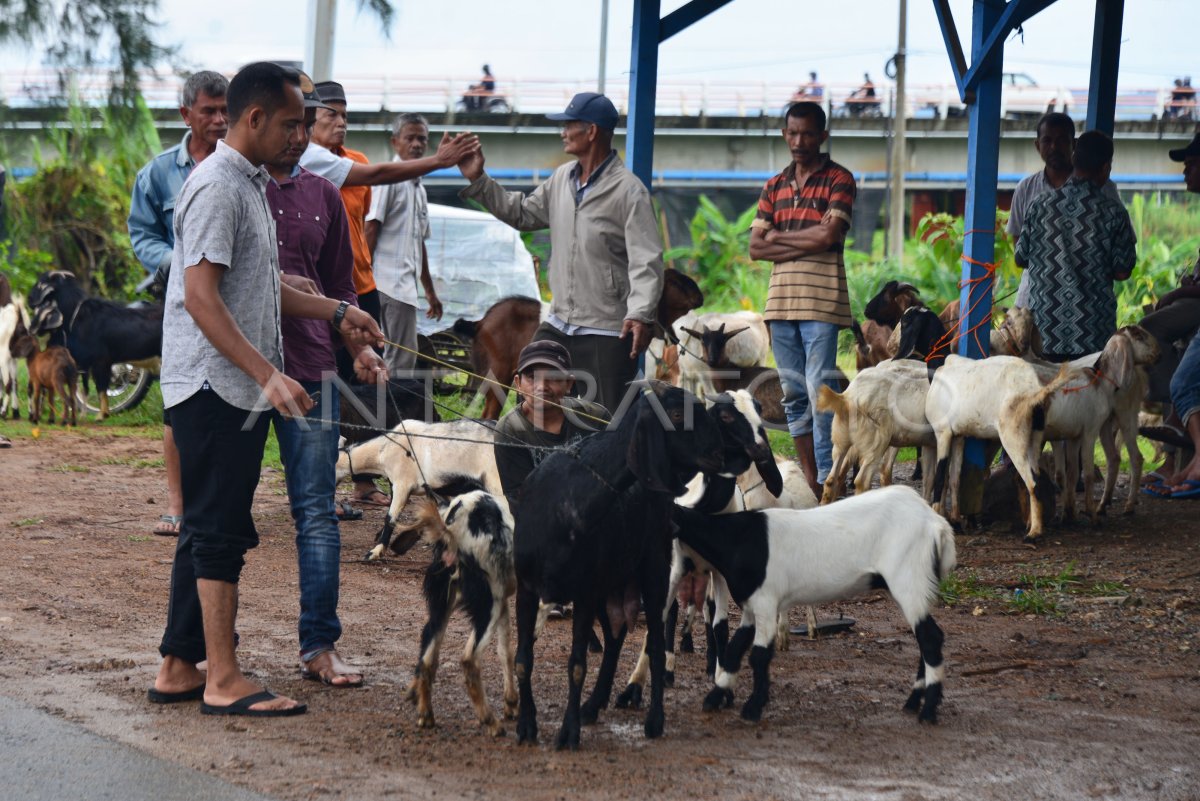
726 151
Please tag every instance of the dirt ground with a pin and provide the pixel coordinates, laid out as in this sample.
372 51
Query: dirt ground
1100 700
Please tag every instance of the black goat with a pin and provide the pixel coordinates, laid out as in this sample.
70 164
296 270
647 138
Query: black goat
97 332
595 532
890 303
922 337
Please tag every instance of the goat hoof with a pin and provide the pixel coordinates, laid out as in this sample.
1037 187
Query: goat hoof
425 721
669 678
913 704
686 646
1031 539
752 711
630 697
655 725
568 737
527 732
718 698
588 714
494 729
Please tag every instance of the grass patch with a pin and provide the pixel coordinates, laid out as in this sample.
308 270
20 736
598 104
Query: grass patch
960 588
29 521
139 538
70 468
1031 602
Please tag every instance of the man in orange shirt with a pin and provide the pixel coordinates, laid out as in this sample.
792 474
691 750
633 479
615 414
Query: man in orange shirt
351 172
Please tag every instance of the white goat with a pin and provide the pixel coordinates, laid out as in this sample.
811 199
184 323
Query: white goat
415 454
1104 398
779 558
1002 398
472 569
882 409
13 318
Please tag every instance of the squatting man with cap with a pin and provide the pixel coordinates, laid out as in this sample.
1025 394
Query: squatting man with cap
605 271
543 417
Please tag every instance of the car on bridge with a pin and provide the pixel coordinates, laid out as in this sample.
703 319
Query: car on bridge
1022 97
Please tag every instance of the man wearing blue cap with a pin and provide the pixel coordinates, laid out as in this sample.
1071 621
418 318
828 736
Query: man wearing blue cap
605 271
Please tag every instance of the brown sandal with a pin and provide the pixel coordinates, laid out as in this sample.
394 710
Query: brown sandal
330 669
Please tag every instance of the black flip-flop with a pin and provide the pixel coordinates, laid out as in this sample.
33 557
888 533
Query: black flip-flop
830 626
161 697
241 707
345 511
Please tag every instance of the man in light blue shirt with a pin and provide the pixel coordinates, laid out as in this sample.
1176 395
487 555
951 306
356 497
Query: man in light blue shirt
152 207
151 226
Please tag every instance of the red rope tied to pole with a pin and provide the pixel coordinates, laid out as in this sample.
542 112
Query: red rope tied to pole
951 338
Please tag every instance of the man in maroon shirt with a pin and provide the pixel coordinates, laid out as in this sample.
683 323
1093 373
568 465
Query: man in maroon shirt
315 254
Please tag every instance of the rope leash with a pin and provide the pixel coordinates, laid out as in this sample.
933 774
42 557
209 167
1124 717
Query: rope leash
498 383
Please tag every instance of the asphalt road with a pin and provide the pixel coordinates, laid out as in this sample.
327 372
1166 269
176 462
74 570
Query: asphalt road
44 758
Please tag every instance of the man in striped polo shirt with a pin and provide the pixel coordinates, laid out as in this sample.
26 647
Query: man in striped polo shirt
803 216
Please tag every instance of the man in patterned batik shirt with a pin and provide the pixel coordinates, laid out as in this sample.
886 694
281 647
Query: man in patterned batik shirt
1075 242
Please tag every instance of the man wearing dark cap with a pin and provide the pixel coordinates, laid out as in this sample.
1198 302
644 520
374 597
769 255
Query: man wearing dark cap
544 416
1174 321
605 270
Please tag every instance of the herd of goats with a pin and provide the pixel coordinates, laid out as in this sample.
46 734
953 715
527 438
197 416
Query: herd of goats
685 485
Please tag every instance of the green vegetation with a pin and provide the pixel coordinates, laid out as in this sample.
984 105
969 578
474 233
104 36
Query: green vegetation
1028 593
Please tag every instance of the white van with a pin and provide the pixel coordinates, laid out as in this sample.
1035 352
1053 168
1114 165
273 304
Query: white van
474 260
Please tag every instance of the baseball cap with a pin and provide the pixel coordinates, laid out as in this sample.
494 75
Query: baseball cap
589 107
312 98
1184 153
544 352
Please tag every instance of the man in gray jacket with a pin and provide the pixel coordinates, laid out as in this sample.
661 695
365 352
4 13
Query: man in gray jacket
606 271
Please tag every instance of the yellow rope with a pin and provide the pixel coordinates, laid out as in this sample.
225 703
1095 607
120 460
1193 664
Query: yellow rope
506 387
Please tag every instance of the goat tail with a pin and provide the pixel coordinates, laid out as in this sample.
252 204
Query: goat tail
1035 406
428 520
945 555
829 400
859 339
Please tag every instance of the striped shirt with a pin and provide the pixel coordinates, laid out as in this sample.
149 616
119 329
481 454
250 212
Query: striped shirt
814 287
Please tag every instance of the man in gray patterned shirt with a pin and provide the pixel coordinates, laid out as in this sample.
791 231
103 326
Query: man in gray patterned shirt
222 365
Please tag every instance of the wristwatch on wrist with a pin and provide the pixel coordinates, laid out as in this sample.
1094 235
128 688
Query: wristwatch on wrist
339 315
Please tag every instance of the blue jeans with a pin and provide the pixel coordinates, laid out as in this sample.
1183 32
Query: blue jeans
1185 384
806 354
309 452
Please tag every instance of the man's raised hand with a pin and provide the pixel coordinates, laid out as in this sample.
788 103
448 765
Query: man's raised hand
453 149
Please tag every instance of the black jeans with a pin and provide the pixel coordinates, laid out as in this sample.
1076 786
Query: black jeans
220 466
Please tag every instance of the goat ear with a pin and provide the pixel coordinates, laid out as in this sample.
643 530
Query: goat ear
768 471
647 455
1117 360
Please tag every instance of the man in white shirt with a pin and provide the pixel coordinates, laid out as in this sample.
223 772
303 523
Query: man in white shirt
396 229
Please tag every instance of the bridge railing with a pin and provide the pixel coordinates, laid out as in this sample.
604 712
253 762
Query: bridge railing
387 92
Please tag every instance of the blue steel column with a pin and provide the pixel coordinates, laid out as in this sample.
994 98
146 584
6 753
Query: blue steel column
983 154
1106 55
643 79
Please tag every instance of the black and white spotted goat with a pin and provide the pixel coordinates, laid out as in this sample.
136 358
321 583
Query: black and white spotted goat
779 558
471 569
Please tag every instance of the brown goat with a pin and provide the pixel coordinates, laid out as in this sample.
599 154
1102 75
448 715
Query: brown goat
509 325
50 371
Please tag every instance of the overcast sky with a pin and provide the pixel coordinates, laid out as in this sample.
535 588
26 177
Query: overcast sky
747 40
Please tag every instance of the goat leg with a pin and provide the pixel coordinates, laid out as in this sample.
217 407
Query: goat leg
527 614
602 690
568 733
